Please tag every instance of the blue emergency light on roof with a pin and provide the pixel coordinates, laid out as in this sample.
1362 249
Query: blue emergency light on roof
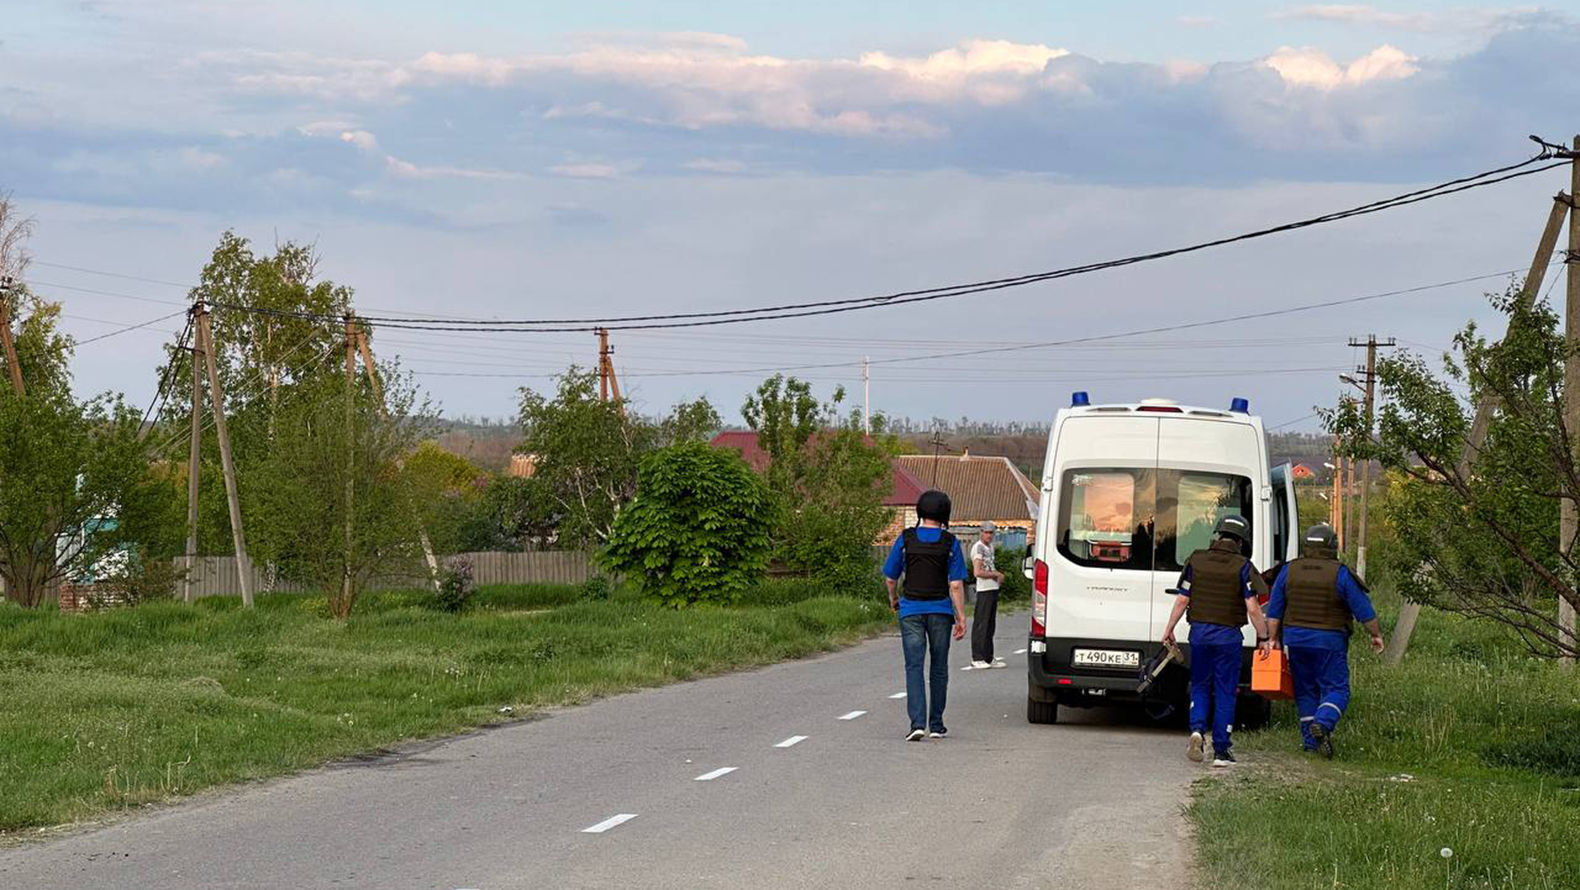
1079 399
1240 406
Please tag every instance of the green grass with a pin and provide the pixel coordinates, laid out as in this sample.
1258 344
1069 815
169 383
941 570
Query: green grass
108 711
1470 746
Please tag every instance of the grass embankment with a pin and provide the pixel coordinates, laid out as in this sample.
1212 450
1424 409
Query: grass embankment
1470 746
108 711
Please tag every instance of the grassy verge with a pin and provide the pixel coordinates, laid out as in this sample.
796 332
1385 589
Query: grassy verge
109 711
1469 746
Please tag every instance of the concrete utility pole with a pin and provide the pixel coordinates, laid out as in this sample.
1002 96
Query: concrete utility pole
1566 533
608 383
227 463
866 396
194 461
1371 345
1487 404
11 363
351 464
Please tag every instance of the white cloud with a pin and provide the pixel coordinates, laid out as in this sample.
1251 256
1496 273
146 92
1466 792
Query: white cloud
594 170
360 138
715 165
1469 19
1307 67
409 170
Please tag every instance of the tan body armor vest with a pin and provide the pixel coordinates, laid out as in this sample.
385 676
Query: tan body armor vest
1311 595
1217 595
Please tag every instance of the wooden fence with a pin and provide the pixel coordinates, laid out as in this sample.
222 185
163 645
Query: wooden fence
217 575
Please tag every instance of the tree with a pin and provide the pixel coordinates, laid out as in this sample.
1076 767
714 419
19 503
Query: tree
827 479
695 421
70 473
300 519
515 514
587 453
697 530
1479 537
267 355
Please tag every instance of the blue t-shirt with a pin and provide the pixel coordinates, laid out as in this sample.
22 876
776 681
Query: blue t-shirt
1311 638
1204 634
894 566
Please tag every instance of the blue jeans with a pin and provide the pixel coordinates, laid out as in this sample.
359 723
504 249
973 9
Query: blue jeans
1214 683
1322 687
923 637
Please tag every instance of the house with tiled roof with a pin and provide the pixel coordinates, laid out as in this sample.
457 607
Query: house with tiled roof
980 488
904 488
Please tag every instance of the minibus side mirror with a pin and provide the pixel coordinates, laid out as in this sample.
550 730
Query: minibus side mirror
1029 567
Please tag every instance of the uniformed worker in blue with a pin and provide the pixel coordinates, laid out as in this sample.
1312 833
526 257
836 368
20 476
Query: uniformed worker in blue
1315 599
1219 589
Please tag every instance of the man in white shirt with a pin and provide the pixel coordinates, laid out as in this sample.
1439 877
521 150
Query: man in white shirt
985 619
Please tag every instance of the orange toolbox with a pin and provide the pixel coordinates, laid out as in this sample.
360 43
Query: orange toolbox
1270 677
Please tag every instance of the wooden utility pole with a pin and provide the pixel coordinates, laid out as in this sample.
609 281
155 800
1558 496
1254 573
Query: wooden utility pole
1371 345
937 441
227 463
1566 532
608 383
1347 521
11 363
1487 402
194 461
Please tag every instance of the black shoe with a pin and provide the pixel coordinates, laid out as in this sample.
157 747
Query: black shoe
939 733
1224 759
916 735
1324 738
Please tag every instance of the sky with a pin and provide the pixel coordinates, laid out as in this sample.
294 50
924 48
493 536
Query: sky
543 160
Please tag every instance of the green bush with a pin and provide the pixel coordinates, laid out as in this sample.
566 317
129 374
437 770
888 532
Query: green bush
455 584
1016 585
595 589
697 530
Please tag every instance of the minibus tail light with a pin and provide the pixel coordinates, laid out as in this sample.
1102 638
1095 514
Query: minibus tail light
1039 600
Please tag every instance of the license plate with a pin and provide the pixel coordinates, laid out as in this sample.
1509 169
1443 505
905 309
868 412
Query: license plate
1108 658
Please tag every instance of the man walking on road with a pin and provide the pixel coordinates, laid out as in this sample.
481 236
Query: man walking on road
984 621
1218 588
1315 598
933 599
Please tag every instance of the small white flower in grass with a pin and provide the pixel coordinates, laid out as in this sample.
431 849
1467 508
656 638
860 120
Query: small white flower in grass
1446 853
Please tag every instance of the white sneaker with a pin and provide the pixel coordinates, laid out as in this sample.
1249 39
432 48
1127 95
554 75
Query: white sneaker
981 665
1197 751
998 663
916 735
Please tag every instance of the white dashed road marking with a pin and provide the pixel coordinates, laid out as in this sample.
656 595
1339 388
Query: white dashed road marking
898 695
1020 651
793 740
609 823
852 715
721 771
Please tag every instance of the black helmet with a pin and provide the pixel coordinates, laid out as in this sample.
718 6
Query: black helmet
934 505
1234 526
1320 539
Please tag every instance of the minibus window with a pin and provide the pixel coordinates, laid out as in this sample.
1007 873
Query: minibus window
1189 507
1105 517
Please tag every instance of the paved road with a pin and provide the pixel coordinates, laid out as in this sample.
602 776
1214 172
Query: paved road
999 804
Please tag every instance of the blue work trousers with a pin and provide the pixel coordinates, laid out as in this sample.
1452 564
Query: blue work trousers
1322 687
925 638
1214 683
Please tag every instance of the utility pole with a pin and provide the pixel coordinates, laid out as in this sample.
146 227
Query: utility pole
866 396
351 370
1566 532
6 288
227 463
1371 345
194 461
1487 403
608 383
937 441
378 395
1347 522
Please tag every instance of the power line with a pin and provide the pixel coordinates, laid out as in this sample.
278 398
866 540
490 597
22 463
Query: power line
828 307
119 331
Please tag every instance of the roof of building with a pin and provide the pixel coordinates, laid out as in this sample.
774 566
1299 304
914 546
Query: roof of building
979 487
904 488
